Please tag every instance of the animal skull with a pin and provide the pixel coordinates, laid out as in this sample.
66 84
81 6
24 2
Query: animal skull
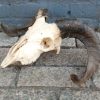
40 37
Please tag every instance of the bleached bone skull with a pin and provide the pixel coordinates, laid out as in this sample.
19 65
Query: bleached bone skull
40 37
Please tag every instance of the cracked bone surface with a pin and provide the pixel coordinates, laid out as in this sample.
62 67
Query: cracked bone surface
40 37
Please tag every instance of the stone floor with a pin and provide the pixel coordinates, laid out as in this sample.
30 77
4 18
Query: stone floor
49 77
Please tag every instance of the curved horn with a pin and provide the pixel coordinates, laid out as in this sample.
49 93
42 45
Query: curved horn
89 38
13 31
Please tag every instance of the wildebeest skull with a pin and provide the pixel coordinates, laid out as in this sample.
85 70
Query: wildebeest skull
40 37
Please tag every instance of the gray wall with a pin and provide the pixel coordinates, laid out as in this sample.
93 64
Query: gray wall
19 12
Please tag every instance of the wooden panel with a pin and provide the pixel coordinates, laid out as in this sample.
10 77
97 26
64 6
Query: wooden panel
28 9
19 12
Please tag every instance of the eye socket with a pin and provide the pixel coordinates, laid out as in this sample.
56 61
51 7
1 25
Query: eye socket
46 42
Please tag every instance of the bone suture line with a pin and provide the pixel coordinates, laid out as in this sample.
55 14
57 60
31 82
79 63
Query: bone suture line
86 35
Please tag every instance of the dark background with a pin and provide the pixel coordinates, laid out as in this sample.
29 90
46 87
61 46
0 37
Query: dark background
19 12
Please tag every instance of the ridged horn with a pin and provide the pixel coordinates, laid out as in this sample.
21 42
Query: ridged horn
89 38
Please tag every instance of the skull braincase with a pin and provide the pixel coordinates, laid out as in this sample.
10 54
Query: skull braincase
40 37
